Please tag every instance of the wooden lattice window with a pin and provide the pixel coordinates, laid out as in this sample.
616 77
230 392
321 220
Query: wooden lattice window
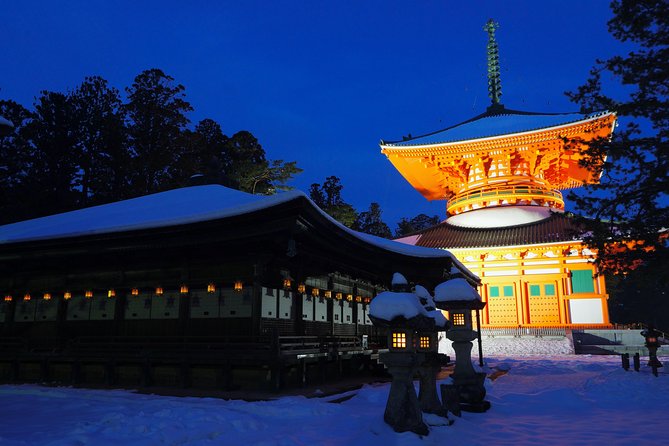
424 342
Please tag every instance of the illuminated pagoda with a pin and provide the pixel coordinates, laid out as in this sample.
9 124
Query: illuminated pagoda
501 174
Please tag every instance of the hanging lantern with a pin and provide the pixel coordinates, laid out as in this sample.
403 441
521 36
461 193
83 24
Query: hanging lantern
301 288
349 297
8 298
111 293
183 289
67 295
211 288
328 294
159 291
239 285
88 294
26 297
134 292
47 296
315 292
287 284
339 296
358 299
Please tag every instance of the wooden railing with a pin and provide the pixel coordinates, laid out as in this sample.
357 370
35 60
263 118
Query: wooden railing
517 332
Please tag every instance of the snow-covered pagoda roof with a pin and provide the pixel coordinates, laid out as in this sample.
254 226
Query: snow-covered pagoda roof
197 205
498 123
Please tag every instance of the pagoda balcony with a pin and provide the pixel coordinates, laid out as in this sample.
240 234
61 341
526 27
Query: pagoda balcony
504 196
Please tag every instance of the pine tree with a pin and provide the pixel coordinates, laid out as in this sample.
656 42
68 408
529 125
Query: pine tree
421 221
157 121
629 207
15 151
101 139
370 222
252 171
328 198
52 172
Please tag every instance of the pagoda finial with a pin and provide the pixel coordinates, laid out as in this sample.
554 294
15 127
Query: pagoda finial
494 79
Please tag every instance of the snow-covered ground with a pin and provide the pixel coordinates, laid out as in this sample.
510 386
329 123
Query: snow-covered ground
560 400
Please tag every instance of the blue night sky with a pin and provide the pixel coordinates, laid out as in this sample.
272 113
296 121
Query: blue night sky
316 82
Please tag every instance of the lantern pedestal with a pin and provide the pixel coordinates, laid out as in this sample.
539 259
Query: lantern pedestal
403 410
469 383
427 394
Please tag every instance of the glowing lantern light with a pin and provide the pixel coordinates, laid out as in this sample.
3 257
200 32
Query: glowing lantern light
328 294
211 288
358 299
47 296
287 283
88 294
26 297
8 298
183 289
349 297
134 292
315 292
111 293
301 288
458 319
239 285
159 291
67 295
398 340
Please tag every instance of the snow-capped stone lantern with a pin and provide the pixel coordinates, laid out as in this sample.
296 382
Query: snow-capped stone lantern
428 344
401 313
459 298
652 344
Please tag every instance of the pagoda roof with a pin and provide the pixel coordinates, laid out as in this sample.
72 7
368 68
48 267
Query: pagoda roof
557 228
496 122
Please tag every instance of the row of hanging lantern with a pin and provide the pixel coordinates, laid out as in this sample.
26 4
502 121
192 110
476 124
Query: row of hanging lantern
111 293
328 294
238 286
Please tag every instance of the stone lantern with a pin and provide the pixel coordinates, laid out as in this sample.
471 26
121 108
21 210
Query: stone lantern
402 314
652 344
427 343
459 298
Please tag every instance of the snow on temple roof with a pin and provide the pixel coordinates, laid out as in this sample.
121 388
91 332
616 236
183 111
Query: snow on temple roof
488 125
173 207
6 122
178 207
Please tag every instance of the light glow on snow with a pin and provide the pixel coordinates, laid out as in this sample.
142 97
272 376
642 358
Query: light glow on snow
562 400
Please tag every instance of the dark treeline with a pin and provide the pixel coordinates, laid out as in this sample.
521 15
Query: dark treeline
328 197
91 146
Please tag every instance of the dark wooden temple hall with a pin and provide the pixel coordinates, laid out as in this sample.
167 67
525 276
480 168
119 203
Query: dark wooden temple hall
202 286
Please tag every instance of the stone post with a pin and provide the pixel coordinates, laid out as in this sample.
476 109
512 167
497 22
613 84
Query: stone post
403 410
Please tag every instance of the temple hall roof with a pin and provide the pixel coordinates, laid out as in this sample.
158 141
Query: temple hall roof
495 123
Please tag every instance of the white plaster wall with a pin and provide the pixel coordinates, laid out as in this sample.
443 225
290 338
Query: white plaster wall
586 311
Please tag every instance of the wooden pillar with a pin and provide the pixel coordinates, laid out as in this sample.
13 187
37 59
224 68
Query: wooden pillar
298 310
256 298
